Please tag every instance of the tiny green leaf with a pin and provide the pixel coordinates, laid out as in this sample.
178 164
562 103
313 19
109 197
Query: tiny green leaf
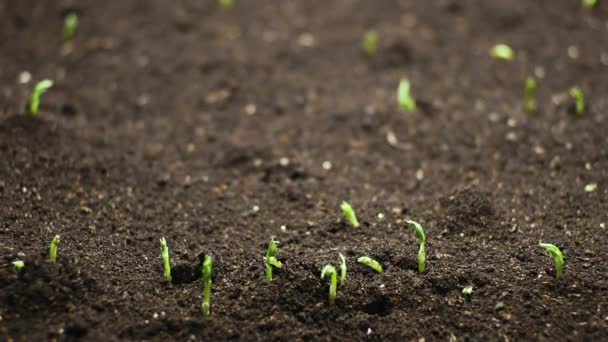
53 249
349 213
529 90
164 253
589 4
502 51
226 5
342 269
404 98
18 264
39 89
579 100
467 291
69 26
370 44
270 259
369 262
207 272
422 240
330 271
557 255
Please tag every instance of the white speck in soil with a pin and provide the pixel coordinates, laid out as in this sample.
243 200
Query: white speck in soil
283 228
419 174
284 161
307 40
255 209
539 72
573 52
369 331
25 77
590 187
380 216
250 109
327 165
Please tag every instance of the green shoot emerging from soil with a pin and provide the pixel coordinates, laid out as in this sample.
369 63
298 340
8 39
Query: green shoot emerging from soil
529 90
579 100
271 260
164 253
330 271
53 249
342 269
502 51
226 5
422 240
369 262
349 213
467 291
18 264
207 270
370 44
404 98
40 88
69 26
557 255
589 4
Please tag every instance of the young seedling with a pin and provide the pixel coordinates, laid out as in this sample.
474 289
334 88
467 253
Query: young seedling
69 26
330 271
39 89
579 100
369 262
467 291
557 255
53 249
207 270
18 264
370 44
404 98
270 260
226 5
164 253
349 213
589 4
422 240
342 269
529 90
502 51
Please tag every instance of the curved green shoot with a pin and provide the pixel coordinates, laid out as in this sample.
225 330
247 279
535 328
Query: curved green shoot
370 44
349 213
422 239
207 271
330 271
404 98
69 26
270 260
529 90
502 51
226 5
39 89
557 255
18 264
588 4
53 249
342 269
369 262
579 99
164 253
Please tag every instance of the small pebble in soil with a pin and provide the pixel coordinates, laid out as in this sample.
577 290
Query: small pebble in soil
255 209
590 187
327 165
284 161
573 52
369 331
380 216
307 40
283 228
25 77
250 109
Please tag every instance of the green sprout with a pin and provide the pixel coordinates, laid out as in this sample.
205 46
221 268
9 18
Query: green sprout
529 90
370 43
557 255
342 269
164 253
589 4
422 240
579 100
207 269
270 259
467 291
330 271
404 98
39 89
69 26
349 213
226 5
18 264
367 261
502 51
53 249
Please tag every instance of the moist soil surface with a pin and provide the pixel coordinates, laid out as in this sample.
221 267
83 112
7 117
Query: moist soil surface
216 128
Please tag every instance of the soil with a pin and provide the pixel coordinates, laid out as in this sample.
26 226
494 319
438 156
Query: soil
211 128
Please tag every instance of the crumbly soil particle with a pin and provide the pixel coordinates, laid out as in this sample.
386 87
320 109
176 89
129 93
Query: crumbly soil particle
213 129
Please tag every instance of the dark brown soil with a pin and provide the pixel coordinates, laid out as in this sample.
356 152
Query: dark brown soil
174 119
